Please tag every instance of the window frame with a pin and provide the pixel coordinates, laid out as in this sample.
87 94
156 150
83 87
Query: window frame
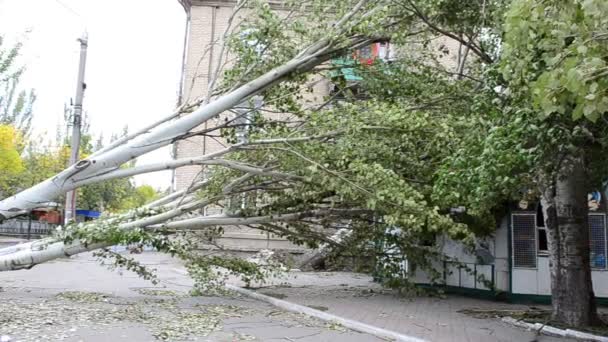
544 252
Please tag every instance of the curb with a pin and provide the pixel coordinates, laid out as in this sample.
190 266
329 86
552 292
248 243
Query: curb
552 331
324 316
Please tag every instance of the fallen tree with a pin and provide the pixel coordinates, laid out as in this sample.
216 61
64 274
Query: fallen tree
346 165
423 137
108 162
331 38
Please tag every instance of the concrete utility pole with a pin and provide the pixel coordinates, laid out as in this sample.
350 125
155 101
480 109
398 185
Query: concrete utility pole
70 198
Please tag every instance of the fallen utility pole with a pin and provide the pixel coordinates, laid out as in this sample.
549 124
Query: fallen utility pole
70 198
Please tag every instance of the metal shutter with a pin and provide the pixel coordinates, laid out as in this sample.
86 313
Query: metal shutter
524 240
597 240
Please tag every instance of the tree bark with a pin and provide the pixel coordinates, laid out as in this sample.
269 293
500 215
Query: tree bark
315 257
564 202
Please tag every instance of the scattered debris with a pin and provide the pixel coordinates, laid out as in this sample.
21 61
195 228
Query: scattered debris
84 297
276 295
298 320
335 326
157 292
60 317
244 337
552 331
532 312
531 317
331 320
318 307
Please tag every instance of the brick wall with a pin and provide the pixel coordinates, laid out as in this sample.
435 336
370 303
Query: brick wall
207 24
209 20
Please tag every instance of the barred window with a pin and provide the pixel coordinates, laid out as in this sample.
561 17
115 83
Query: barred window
524 240
597 240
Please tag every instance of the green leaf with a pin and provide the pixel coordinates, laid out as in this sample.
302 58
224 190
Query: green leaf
578 112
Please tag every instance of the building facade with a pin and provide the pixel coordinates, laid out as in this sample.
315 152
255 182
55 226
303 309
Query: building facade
513 263
207 21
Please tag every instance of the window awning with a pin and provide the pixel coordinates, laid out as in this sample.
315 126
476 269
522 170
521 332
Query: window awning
88 213
344 67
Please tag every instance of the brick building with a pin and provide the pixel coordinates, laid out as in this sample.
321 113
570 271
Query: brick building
207 21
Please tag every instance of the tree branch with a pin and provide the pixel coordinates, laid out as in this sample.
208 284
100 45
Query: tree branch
174 195
474 47
224 220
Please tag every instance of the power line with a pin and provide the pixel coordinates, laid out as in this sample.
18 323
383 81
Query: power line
70 9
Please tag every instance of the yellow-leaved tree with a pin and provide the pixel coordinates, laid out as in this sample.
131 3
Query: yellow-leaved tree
10 160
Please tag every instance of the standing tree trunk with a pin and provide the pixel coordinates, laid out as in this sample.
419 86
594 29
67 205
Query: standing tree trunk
564 202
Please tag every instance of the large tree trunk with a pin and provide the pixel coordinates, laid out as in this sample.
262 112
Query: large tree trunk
316 257
564 201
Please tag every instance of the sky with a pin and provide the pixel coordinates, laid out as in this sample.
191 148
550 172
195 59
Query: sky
133 63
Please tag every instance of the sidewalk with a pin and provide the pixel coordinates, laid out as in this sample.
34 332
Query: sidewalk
356 297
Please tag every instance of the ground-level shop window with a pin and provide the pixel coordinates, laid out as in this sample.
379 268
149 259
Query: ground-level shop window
530 239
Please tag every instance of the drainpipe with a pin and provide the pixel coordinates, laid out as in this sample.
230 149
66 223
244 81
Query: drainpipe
184 56
180 95
210 69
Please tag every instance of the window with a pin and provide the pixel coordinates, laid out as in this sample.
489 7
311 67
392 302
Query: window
524 240
543 247
368 54
597 240
385 51
530 238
